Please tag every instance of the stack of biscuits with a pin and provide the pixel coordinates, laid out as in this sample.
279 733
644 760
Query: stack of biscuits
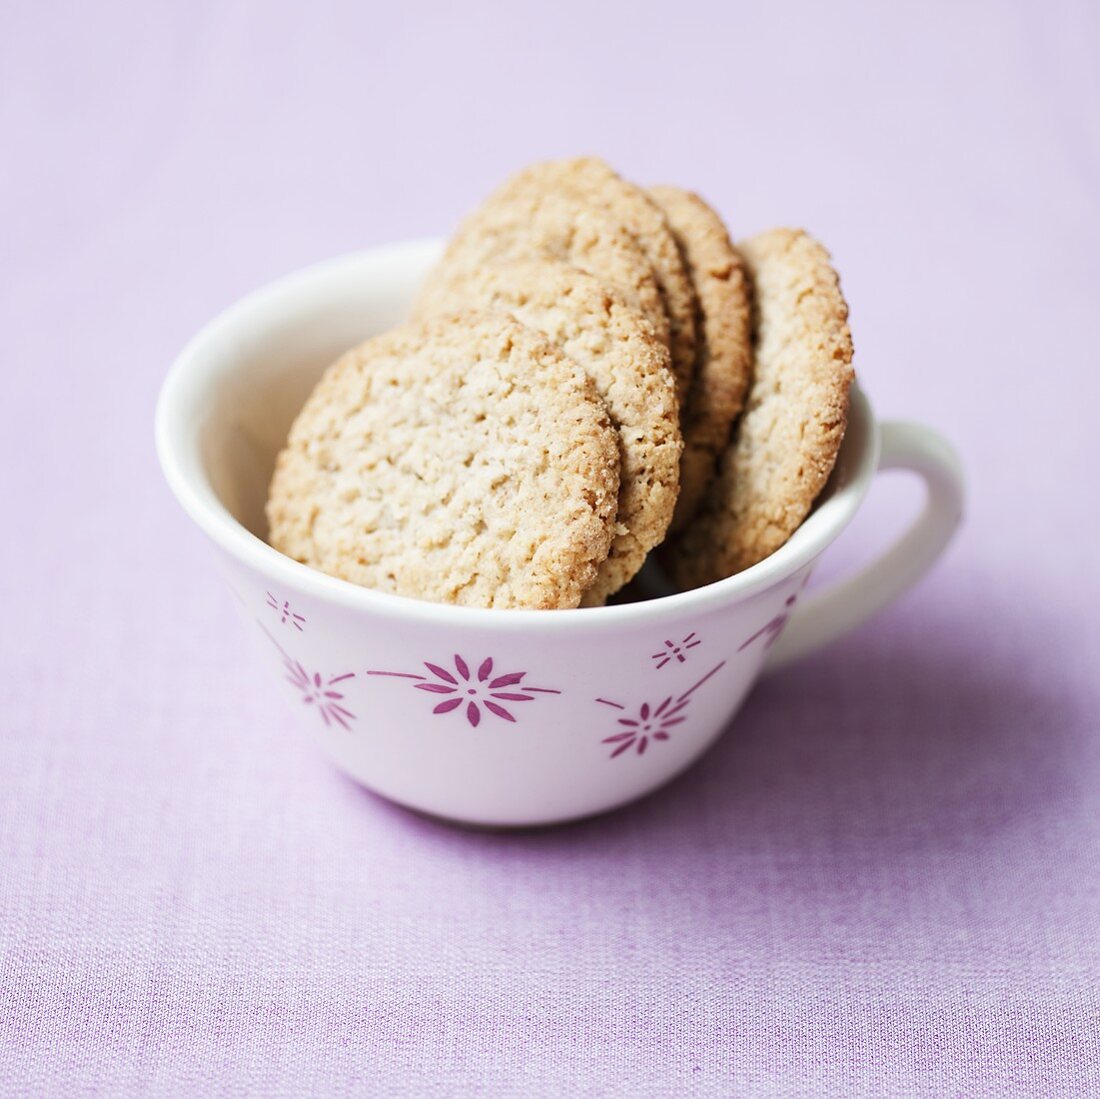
592 372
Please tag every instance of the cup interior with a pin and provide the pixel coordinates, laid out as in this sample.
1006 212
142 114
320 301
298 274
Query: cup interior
258 362
229 402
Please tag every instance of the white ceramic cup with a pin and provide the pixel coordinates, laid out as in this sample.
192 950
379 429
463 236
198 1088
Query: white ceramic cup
486 716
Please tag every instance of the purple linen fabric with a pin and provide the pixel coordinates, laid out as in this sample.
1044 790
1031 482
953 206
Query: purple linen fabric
883 881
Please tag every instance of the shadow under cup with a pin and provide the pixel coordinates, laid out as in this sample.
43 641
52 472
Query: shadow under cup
487 717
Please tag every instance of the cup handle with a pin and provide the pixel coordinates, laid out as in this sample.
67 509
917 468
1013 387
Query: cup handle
840 607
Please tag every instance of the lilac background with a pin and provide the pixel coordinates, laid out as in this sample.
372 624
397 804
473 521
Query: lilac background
883 881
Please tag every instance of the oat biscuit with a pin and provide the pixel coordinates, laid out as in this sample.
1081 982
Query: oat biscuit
787 439
526 223
599 184
723 351
463 460
618 349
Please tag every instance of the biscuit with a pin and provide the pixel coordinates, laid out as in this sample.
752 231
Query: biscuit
599 184
723 340
618 349
531 224
463 460
788 437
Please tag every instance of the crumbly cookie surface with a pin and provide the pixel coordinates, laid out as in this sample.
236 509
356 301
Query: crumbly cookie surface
723 344
517 223
787 439
600 185
619 350
461 460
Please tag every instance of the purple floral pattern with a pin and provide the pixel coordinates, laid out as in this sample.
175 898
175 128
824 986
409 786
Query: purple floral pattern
317 690
649 724
474 691
286 612
651 721
771 630
480 690
321 693
676 651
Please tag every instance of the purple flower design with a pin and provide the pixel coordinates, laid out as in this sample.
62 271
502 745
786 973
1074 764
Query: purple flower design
650 723
483 690
771 630
317 690
286 614
676 651
320 692
653 721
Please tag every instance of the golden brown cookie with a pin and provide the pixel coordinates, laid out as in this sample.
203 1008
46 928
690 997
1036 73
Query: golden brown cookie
723 340
462 460
788 437
619 350
600 185
525 223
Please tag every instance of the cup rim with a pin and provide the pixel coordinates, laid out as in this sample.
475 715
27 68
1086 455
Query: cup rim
197 367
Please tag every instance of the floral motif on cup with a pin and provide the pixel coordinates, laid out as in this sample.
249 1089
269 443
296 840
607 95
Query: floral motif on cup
650 722
467 692
321 693
771 630
317 690
286 613
676 651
